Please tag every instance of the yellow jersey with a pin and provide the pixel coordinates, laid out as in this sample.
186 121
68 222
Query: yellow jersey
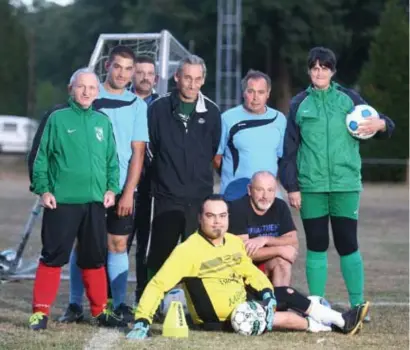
214 279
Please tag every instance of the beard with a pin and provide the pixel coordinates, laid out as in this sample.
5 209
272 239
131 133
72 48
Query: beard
217 232
262 206
212 233
144 86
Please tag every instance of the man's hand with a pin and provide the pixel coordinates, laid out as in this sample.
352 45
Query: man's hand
49 201
254 244
371 125
269 302
109 199
125 204
288 253
140 330
295 200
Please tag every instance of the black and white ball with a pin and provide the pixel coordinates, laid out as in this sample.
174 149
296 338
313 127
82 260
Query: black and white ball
355 116
249 318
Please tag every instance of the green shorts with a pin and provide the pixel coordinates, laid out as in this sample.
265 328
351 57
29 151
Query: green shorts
316 205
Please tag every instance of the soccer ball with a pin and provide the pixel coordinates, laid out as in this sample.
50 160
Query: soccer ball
249 318
357 114
176 294
320 300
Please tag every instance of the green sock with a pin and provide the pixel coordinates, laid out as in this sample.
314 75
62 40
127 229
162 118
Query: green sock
353 274
316 272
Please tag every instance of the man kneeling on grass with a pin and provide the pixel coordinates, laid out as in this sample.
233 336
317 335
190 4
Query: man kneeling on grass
216 271
74 168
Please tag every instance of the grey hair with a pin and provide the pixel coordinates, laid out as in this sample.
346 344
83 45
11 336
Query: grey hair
262 172
82 71
255 74
192 59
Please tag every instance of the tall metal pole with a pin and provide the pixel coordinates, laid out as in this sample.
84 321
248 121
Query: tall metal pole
238 68
218 80
229 50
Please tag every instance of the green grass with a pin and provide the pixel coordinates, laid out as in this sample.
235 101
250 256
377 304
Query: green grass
384 242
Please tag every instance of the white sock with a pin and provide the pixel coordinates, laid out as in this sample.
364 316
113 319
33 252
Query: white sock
326 315
315 327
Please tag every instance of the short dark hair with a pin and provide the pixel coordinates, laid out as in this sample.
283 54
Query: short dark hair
145 59
123 51
255 74
324 56
212 198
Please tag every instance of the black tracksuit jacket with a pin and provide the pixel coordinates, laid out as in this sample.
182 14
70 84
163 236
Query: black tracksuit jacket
181 167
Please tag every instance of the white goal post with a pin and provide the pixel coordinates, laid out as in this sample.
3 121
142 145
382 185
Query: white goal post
162 47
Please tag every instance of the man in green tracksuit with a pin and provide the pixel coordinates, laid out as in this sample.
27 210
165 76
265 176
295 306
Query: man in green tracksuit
321 170
73 166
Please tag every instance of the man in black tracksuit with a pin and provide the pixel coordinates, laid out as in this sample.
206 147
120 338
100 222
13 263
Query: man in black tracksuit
184 129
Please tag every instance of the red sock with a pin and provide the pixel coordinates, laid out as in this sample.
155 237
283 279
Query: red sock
45 287
95 282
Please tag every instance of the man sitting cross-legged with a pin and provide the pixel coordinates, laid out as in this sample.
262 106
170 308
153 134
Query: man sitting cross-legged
266 226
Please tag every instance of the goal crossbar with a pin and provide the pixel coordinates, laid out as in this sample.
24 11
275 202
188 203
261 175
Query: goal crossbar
169 53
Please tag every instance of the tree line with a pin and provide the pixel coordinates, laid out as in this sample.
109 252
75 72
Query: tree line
41 46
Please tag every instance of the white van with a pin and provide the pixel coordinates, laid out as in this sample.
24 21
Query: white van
16 134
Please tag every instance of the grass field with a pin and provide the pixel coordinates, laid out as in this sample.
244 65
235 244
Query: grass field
384 240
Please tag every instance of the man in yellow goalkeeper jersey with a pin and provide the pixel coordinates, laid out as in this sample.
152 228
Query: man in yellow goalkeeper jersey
217 275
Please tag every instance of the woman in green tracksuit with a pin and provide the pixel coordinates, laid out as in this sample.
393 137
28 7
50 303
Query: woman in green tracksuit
321 170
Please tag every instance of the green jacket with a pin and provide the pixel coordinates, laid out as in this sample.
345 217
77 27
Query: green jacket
319 153
74 155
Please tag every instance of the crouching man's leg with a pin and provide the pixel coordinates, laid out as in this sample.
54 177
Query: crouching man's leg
279 271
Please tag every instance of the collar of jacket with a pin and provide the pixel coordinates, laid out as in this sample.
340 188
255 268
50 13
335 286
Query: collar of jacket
78 109
322 93
200 102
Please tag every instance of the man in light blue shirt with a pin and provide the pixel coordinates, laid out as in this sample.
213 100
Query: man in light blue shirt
128 115
252 137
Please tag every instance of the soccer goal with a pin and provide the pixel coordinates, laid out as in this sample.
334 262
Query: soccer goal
163 47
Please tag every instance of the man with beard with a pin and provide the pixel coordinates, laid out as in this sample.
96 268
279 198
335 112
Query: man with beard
266 227
217 276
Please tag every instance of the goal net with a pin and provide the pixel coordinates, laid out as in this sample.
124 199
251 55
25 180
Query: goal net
163 47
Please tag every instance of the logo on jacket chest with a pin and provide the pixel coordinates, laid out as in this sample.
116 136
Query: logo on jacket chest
99 134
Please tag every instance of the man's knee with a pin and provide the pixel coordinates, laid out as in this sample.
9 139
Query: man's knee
117 244
278 262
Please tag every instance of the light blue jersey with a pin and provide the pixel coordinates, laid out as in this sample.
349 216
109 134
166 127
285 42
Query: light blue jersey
128 115
249 143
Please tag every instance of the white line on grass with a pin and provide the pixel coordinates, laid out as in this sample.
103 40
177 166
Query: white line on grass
103 339
376 303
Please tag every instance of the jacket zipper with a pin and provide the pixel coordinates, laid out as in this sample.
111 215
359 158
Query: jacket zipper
327 140
89 152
